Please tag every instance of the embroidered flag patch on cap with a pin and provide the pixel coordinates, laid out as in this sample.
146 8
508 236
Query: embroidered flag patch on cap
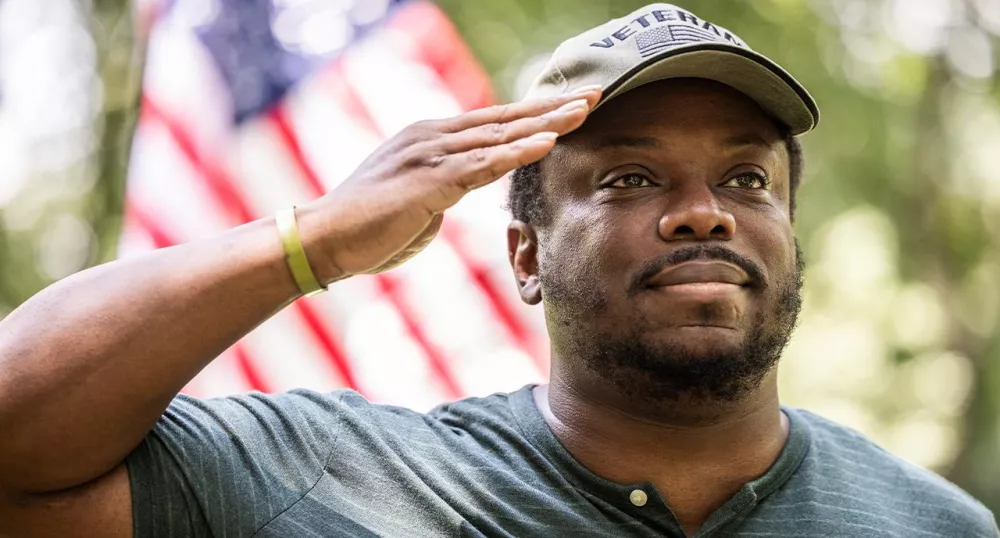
662 41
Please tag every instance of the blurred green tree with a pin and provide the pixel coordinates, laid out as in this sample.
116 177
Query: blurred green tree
109 24
112 25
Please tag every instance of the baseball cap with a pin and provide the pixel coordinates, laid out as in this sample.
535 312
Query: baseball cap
662 41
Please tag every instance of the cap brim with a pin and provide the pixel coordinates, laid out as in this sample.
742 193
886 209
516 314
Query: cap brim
752 74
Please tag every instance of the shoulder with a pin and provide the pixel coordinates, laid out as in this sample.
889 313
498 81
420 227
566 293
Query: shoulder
300 425
459 418
844 456
305 409
489 408
250 413
257 404
302 406
495 407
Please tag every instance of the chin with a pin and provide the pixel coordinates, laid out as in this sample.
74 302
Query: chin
671 362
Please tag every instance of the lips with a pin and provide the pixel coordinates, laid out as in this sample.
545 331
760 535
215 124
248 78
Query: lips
699 272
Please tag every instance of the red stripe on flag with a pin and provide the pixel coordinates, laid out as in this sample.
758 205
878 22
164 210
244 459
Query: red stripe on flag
348 99
437 43
286 135
249 369
517 329
231 201
326 340
156 233
162 239
390 286
218 181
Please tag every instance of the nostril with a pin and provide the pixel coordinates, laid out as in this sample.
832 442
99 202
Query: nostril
718 230
684 230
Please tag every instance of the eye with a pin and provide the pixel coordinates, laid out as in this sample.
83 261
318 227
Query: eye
749 180
631 181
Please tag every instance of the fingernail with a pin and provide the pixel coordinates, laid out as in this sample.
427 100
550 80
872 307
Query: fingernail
587 89
541 138
572 106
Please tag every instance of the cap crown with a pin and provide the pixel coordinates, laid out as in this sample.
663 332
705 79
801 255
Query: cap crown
662 41
605 53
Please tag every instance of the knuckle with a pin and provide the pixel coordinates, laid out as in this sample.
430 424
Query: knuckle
497 132
479 157
413 156
434 160
424 154
485 164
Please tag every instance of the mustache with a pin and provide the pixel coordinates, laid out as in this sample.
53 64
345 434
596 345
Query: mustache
698 252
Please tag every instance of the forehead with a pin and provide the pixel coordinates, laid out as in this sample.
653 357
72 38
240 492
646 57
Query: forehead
677 107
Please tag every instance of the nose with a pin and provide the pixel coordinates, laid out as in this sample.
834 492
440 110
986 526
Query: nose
694 214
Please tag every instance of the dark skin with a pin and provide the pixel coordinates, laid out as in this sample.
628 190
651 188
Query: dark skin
666 166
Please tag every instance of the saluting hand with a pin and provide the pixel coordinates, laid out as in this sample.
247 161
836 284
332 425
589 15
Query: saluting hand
391 207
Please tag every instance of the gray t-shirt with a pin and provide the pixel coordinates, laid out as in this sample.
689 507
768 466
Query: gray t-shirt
304 464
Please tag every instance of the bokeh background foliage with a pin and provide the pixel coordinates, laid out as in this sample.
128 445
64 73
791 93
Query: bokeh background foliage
899 214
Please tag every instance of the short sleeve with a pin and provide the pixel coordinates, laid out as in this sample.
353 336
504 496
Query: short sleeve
228 466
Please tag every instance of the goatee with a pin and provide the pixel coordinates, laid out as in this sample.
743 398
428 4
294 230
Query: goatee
664 372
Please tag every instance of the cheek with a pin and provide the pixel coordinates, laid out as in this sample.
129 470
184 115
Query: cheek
769 235
571 264
602 240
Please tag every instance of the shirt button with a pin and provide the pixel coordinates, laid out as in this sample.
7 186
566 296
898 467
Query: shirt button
638 497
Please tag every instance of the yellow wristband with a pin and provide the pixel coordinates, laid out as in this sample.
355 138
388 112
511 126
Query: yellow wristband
295 254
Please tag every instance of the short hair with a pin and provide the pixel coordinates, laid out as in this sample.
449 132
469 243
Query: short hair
526 200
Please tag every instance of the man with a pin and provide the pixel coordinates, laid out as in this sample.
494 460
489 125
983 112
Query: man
656 234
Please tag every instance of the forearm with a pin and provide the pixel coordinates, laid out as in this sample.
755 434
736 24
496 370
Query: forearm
89 364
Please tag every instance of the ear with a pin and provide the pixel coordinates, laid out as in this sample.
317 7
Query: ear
522 250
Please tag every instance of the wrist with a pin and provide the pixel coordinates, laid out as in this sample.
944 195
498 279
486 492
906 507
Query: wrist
314 233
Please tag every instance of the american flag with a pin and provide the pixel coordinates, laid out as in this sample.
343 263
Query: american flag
660 38
250 106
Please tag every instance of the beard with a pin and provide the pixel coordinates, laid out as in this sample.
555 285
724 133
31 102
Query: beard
639 367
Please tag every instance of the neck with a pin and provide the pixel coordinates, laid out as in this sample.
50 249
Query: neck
697 454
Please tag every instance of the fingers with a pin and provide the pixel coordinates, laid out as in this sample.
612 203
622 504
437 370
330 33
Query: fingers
560 121
482 166
515 111
462 172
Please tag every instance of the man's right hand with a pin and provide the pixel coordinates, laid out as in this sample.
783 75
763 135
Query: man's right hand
392 205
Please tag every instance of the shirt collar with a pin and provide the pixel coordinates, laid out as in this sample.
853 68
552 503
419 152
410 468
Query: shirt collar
538 433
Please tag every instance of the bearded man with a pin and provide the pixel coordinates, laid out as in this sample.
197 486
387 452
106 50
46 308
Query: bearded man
655 170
